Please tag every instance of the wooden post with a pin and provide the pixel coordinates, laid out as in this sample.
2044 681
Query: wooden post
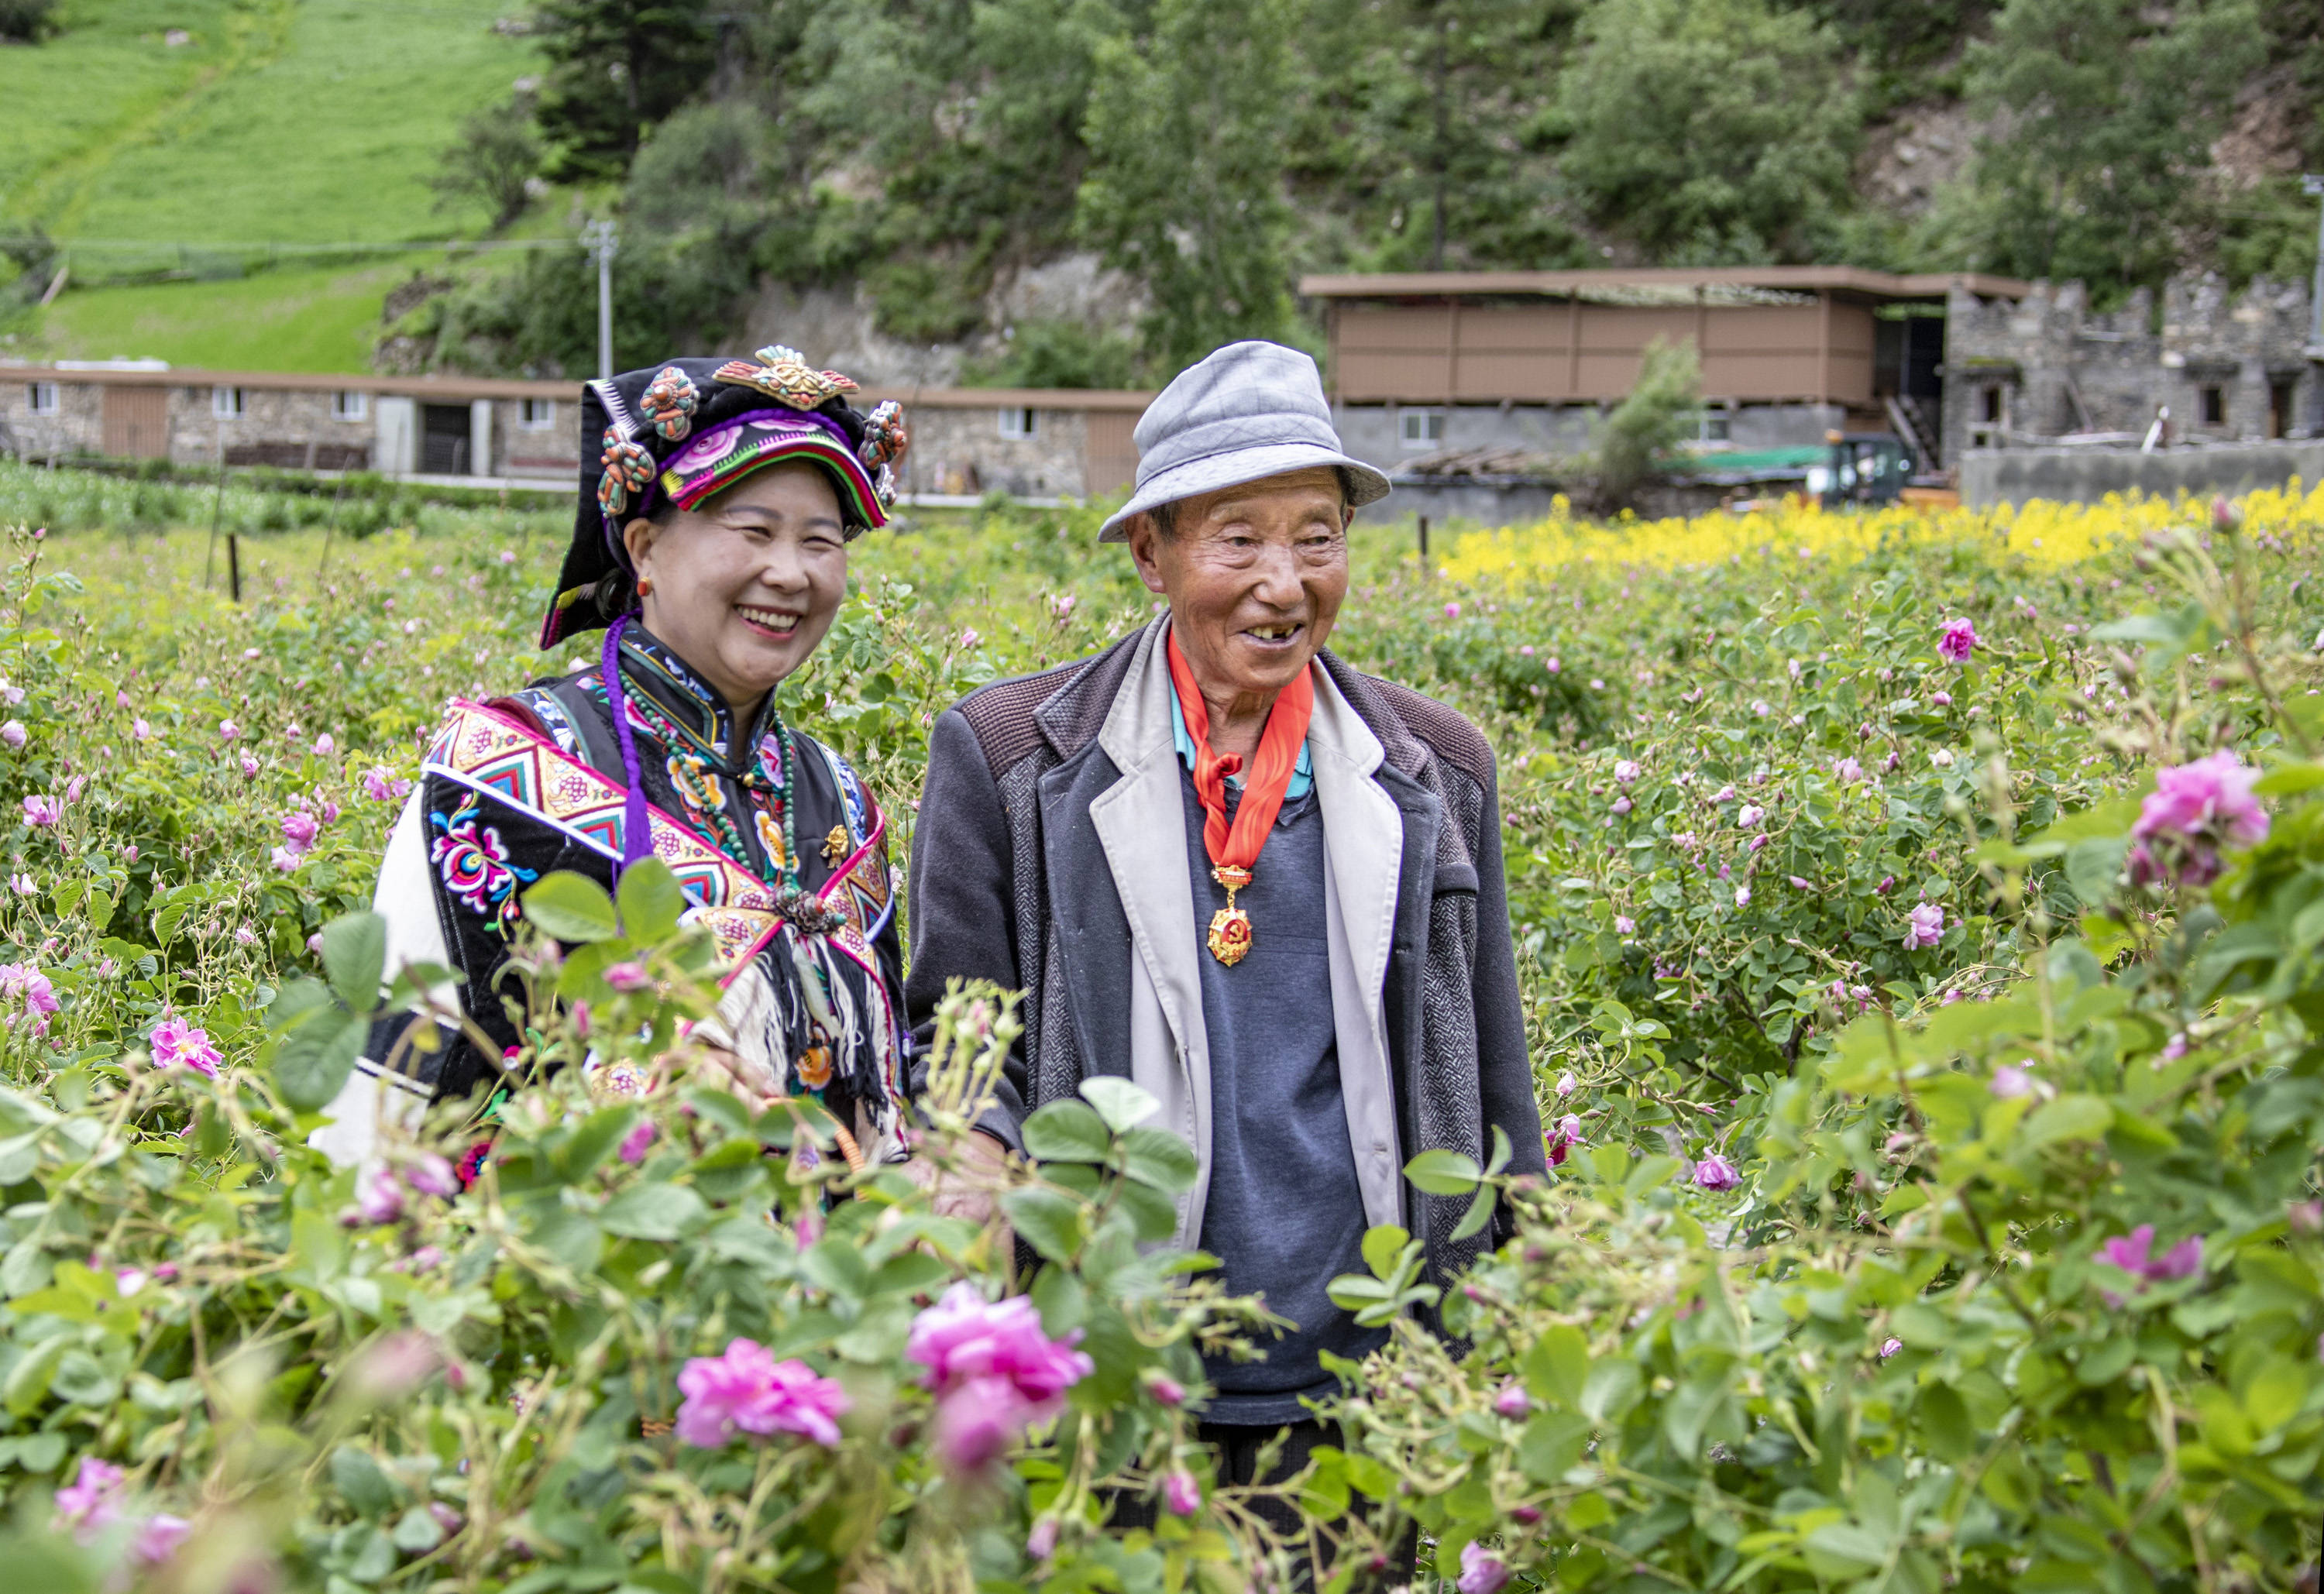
218 508
234 565
1424 539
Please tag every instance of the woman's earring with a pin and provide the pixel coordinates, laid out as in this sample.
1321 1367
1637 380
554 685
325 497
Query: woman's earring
645 586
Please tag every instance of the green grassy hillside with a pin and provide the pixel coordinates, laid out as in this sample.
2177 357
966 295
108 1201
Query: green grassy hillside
278 121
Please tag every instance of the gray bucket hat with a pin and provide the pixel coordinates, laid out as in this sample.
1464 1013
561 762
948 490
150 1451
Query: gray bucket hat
1249 411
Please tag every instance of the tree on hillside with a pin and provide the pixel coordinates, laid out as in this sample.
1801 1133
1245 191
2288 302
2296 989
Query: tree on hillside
25 19
1427 120
1710 131
1649 423
490 163
616 68
1185 188
2109 109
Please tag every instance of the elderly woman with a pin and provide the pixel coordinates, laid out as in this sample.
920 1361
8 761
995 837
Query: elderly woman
711 547
1262 885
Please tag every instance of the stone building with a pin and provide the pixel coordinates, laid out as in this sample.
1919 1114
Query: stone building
2228 367
1031 443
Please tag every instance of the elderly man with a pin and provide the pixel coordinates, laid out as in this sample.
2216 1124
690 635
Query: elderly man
1264 887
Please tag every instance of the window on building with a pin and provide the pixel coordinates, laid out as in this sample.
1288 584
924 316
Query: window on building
2214 405
2279 408
1708 426
225 403
539 415
44 399
348 404
1990 398
1421 429
1019 423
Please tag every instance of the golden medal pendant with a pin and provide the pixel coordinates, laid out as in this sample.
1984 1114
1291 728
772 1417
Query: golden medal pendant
1230 936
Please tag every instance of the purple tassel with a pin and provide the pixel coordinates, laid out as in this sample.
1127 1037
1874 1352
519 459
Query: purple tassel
636 834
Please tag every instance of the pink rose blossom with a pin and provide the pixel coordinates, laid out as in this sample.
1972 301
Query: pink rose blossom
1181 1493
2010 1081
1042 1541
1452 611
635 1143
1847 771
228 729
2129 1253
1889 1348
430 1175
160 1537
324 746
1716 1172
1941 699
1622 805
1624 924
628 976
91 1503
1625 770
994 1368
1166 1389
12 732
2195 809
283 858
395 1365
179 1045
748 1391
1927 926
1481 1571
379 1195
1512 1402
1957 642
43 810
299 831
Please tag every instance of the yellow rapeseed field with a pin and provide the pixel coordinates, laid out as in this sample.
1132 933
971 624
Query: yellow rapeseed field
2043 534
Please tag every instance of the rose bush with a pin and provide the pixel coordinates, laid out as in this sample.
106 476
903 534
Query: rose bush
1913 941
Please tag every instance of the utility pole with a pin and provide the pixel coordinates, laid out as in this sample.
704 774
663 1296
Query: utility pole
2313 187
600 239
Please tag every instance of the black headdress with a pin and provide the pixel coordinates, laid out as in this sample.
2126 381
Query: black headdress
676 433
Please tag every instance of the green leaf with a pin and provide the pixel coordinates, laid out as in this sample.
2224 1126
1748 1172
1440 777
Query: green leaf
354 955
361 1480
1067 1131
1049 1220
650 901
2290 780
1479 1213
1443 1173
651 1211
1121 1104
1502 1152
1159 1158
1382 1247
1558 1363
1552 1443
572 908
2069 1118
314 1054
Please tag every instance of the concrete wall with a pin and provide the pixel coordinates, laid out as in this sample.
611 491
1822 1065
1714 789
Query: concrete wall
961 450
2084 475
1373 432
78 428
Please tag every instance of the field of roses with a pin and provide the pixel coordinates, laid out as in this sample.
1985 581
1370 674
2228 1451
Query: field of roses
1920 916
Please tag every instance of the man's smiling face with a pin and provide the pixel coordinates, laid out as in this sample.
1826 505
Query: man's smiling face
1255 576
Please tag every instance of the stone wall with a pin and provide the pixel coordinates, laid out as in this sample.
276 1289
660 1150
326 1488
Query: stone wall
77 428
1373 433
2229 367
273 421
961 450
1993 476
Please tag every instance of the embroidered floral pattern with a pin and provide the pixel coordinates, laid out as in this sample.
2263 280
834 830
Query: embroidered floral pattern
815 1067
784 375
771 836
628 468
670 402
475 867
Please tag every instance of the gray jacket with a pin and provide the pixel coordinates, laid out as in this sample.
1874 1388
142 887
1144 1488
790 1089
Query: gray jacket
1031 867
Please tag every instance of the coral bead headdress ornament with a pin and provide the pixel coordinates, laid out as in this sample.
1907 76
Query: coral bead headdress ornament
679 432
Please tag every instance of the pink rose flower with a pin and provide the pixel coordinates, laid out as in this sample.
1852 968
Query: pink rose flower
994 1369
2195 809
1481 1571
1181 1493
1512 1402
228 729
91 1503
1957 642
628 976
1889 1348
1847 771
283 858
379 1195
748 1391
632 1150
179 1045
43 810
159 1539
2010 1081
430 1175
1042 1541
1715 1173
299 829
324 746
2129 1253
1927 926
12 732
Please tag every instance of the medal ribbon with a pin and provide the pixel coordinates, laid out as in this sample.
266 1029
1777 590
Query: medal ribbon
1271 767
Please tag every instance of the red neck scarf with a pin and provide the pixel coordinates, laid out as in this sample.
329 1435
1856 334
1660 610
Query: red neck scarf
1271 767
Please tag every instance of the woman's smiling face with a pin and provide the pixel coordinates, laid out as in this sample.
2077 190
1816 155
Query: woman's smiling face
744 586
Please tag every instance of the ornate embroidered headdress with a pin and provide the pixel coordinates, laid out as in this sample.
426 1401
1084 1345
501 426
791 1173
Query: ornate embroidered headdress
678 432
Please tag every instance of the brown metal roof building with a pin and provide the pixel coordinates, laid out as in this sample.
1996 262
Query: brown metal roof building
1787 352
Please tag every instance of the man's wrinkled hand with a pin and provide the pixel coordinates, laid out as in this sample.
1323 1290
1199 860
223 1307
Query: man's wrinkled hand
966 1192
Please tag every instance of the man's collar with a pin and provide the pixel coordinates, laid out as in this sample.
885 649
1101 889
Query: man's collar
1303 774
